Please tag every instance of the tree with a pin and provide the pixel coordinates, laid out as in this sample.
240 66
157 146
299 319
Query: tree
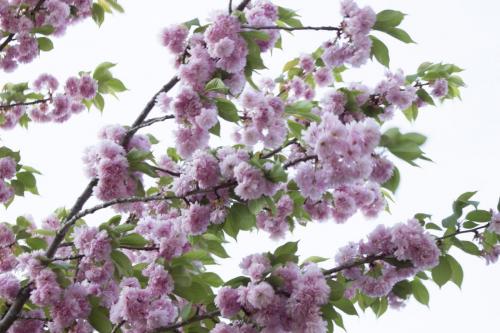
307 147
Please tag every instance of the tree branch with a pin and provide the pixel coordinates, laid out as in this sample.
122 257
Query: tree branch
150 122
11 36
277 150
297 161
459 232
171 173
38 101
189 321
276 27
147 109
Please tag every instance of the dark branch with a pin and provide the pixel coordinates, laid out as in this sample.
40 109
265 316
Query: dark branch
276 27
38 101
147 109
277 150
297 161
171 173
189 321
360 262
242 5
150 122
117 327
459 232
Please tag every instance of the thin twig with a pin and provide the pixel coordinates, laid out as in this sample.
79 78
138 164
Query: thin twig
276 27
117 326
277 150
189 321
150 122
38 101
171 173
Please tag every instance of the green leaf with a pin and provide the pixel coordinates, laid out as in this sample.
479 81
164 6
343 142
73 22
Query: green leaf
43 30
216 248
424 95
393 183
388 18
457 273
411 112
99 102
380 51
36 243
315 259
238 218
337 290
115 5
99 319
227 110
291 64
196 292
102 73
122 263
302 110
346 306
295 128
28 180
215 130
115 85
191 23
98 14
277 174
212 279
286 249
420 292
399 34
467 247
45 44
256 205
216 85
254 59
442 272
479 216
133 240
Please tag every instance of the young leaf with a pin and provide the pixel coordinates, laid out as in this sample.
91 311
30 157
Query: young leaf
380 51
442 272
420 292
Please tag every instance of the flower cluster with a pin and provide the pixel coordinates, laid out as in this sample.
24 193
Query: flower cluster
76 90
108 162
395 91
220 52
21 18
55 107
264 120
261 14
145 309
276 225
8 260
166 232
355 49
7 171
406 242
345 161
294 306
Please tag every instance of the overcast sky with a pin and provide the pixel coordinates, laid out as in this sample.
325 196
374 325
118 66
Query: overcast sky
463 135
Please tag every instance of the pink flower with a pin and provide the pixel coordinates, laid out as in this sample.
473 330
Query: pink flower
255 266
196 219
260 295
227 301
174 38
9 286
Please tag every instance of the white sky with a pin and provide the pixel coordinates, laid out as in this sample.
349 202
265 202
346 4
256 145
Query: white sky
463 136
